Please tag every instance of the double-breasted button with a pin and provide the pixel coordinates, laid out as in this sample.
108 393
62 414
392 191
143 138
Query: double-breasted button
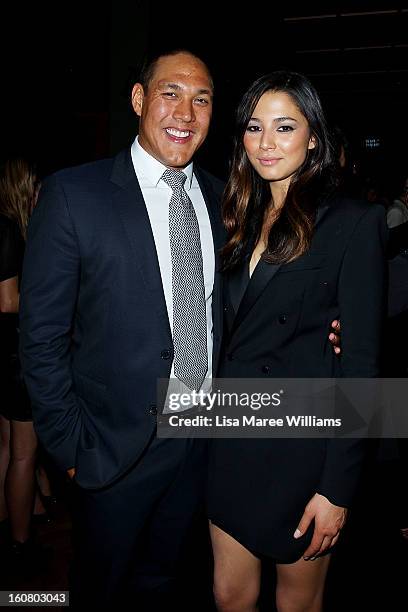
153 409
266 369
165 354
282 319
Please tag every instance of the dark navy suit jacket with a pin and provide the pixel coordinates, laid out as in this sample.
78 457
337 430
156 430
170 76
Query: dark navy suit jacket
95 335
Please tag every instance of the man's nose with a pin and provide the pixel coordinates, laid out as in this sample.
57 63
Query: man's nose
184 111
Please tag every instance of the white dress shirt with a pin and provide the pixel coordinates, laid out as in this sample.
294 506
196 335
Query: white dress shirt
157 194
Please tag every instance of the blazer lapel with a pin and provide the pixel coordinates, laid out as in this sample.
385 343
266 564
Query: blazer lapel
130 204
260 278
238 280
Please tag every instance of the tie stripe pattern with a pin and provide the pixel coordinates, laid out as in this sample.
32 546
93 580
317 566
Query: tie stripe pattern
189 311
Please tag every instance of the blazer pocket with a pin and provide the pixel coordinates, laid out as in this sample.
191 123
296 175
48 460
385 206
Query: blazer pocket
88 389
310 261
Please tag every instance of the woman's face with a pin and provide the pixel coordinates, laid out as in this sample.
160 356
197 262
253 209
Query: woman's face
277 138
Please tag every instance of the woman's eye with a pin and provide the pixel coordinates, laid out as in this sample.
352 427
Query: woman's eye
253 128
285 128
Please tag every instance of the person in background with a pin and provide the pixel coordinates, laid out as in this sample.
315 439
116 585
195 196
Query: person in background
20 493
397 213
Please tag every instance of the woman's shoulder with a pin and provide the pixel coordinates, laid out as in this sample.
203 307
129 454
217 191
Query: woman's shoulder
354 208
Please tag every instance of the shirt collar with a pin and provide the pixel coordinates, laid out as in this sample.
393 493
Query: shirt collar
151 170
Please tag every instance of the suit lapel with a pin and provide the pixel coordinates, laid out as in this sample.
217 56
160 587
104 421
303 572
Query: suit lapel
130 204
214 211
213 203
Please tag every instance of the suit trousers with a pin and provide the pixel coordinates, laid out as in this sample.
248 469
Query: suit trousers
142 543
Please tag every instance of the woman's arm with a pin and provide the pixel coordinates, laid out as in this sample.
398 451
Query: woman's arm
362 305
9 296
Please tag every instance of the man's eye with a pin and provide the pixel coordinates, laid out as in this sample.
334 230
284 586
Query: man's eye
202 101
169 94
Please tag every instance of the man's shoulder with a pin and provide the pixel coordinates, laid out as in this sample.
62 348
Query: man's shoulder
89 172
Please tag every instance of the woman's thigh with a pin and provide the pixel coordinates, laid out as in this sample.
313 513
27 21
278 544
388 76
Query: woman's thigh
237 571
300 585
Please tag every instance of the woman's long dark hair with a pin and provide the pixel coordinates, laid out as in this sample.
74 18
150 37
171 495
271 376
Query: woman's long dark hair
247 195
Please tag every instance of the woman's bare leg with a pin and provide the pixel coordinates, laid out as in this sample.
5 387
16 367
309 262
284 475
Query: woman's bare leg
237 574
43 480
20 479
300 585
4 461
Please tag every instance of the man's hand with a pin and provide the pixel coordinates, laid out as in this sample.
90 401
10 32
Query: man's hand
328 518
71 473
334 336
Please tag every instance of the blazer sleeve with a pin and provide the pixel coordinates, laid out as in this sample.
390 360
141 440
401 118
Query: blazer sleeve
362 307
49 292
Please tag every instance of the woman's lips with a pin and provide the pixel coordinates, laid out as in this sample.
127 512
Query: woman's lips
269 161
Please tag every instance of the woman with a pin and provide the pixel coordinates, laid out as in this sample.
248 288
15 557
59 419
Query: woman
297 256
18 194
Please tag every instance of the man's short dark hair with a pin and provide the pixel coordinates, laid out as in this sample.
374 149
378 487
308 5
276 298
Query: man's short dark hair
149 65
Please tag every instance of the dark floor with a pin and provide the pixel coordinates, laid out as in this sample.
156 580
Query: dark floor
369 571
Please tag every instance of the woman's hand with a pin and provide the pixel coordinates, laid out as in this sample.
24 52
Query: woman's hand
328 518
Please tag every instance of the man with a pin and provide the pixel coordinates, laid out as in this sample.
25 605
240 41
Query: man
112 263
97 332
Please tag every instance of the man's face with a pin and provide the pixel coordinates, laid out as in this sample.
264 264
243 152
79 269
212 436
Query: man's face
175 111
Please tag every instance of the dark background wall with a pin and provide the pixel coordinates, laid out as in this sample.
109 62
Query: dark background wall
67 71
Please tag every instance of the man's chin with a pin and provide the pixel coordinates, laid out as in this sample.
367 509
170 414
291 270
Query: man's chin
179 161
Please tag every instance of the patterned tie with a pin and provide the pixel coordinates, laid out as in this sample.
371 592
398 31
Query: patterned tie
189 312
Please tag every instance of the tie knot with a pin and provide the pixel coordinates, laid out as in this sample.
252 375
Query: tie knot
174 178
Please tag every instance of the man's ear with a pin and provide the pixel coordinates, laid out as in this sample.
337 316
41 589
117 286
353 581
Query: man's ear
137 98
312 142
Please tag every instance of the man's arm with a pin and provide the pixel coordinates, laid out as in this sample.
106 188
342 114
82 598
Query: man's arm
49 291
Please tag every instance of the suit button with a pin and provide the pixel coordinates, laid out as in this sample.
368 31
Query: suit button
153 410
266 369
282 319
225 308
229 356
165 354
